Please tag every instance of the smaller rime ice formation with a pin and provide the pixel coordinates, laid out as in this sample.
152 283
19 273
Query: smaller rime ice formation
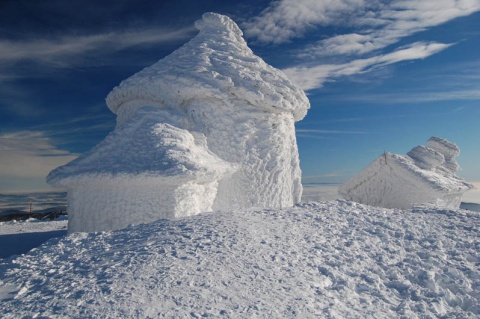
425 176
209 127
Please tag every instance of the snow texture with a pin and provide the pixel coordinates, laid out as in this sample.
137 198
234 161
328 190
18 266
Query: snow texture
425 176
19 237
319 260
209 127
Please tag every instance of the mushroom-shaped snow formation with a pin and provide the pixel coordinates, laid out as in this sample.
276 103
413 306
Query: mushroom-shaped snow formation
215 66
425 176
209 127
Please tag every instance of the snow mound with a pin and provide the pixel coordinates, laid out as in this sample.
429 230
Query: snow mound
425 176
329 260
209 127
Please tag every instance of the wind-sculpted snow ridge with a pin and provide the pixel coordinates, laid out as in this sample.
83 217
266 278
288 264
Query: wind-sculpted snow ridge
209 127
425 176
317 260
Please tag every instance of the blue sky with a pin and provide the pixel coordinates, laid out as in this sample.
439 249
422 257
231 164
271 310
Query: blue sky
380 75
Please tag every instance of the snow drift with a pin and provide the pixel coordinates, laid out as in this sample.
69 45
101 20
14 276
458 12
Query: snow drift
317 260
209 127
425 176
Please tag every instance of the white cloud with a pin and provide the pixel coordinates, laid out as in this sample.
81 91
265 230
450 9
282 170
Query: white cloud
378 23
369 25
321 134
314 77
458 81
447 94
67 51
287 19
316 131
26 157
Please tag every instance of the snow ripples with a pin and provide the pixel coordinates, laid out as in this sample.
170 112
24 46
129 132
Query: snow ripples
333 259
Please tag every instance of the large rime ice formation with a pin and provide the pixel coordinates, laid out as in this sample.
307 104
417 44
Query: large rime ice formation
425 176
209 127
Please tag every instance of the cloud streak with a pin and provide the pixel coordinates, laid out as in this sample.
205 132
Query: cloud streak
376 24
313 77
398 20
287 19
28 156
316 131
69 51
379 23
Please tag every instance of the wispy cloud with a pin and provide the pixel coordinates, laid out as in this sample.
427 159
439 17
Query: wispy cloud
419 97
322 134
379 23
327 131
313 77
398 20
73 50
370 27
457 81
287 19
29 154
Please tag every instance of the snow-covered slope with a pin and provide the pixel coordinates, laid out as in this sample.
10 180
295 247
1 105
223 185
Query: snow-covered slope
316 260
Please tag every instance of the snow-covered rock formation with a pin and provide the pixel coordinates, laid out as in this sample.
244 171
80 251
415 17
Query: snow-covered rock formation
425 176
209 127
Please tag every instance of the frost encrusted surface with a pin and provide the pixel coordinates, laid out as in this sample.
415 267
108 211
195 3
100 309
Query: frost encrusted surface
209 127
318 260
425 176
143 171
216 64
147 146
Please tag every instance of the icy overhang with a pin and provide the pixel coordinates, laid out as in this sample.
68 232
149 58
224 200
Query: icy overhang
215 64
145 149
430 177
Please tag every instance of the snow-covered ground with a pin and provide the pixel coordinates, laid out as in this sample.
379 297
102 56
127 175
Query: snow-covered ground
19 237
334 259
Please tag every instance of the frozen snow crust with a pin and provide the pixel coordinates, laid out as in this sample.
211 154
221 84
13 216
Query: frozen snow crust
425 176
217 64
317 260
209 127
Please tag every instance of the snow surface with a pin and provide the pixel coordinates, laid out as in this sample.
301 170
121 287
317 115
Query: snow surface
19 237
209 127
425 176
333 259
